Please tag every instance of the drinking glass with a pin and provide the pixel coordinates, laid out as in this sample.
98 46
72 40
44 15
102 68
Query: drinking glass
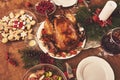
110 42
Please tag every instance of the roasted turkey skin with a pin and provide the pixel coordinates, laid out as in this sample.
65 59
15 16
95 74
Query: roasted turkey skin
61 32
64 33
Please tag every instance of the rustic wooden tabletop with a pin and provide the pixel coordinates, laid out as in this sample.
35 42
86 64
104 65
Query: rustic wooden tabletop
10 72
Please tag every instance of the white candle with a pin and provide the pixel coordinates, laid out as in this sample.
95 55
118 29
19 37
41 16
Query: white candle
107 10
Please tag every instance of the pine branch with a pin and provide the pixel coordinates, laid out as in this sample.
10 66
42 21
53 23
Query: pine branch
30 57
93 30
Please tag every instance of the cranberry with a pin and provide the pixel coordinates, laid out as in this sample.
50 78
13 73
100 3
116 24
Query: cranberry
20 24
28 4
45 6
73 52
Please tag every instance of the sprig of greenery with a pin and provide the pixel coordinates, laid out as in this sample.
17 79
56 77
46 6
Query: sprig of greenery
30 57
33 57
93 30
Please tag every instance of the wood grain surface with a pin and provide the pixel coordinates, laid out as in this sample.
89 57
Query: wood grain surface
10 72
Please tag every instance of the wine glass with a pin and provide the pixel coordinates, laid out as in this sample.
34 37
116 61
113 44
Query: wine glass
110 42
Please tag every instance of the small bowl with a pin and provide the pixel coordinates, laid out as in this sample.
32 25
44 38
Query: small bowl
54 69
45 7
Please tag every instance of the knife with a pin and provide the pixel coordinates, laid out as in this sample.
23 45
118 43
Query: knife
69 72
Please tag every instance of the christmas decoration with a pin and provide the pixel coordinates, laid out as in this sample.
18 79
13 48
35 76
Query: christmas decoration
80 1
28 4
100 22
33 57
95 28
11 60
7 56
45 58
97 2
30 57
60 64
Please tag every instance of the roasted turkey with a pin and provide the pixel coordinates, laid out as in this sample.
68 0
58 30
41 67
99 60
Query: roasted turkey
60 33
64 33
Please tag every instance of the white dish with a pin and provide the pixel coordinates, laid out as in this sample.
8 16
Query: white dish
45 48
44 67
40 42
65 3
94 68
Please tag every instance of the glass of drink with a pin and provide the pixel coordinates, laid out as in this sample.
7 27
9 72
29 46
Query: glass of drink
110 42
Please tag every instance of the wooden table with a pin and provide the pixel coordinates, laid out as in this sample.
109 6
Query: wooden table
10 72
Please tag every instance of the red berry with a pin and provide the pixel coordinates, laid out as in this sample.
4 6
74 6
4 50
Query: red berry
80 1
63 54
20 24
28 4
51 50
15 26
15 22
44 6
13 62
7 56
43 31
65 73
73 52
80 44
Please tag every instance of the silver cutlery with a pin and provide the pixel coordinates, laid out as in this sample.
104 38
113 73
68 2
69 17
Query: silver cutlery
70 72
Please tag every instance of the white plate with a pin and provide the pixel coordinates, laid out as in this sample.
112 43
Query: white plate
65 3
45 48
40 42
94 68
